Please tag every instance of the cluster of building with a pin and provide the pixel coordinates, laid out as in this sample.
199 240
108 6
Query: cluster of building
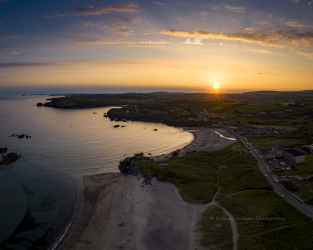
292 155
262 131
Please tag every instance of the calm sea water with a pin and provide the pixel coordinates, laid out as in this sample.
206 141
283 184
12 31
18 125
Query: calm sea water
38 193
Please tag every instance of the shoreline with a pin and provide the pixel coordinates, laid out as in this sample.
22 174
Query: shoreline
108 197
205 139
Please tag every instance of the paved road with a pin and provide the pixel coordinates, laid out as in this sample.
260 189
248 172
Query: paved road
304 208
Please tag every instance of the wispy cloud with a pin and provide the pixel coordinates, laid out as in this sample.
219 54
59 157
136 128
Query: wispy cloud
22 64
234 9
14 53
9 36
122 30
90 11
125 20
268 37
7 47
245 28
228 8
204 13
162 4
197 41
296 24
107 40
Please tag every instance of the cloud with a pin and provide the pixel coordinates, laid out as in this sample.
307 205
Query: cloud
120 20
296 24
107 40
234 9
310 3
228 8
22 64
268 37
197 41
9 36
162 4
5 47
248 37
14 53
122 30
260 51
90 11
203 13
245 28
264 23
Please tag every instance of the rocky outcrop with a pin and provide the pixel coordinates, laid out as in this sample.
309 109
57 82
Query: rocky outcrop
128 166
9 158
21 136
39 104
3 150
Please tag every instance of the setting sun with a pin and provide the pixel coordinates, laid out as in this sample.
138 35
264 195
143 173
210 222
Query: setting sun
216 85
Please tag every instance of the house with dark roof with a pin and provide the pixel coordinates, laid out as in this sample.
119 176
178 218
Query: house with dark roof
278 151
293 155
263 151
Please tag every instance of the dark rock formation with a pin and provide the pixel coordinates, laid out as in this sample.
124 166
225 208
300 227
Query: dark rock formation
21 136
3 150
155 129
39 104
116 126
128 166
9 158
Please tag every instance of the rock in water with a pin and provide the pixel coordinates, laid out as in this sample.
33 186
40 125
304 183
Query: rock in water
39 104
9 158
3 150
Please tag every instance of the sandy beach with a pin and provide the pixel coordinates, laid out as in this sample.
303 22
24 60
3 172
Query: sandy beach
205 139
120 212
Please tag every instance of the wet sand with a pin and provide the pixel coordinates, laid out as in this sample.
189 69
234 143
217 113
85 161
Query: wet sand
119 212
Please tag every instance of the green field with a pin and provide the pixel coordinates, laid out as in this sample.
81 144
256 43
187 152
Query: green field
268 141
216 231
244 192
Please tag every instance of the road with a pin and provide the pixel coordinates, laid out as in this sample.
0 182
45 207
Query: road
304 208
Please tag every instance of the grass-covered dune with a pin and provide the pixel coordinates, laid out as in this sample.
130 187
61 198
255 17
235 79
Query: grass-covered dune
244 192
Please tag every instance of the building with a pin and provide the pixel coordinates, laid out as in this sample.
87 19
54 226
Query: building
263 151
293 156
247 130
278 151
282 131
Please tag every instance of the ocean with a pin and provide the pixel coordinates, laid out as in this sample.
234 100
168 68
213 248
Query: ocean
39 192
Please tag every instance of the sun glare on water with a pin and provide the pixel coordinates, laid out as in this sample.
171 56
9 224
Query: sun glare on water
216 85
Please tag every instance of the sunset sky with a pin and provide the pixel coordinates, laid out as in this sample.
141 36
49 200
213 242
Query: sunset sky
242 44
